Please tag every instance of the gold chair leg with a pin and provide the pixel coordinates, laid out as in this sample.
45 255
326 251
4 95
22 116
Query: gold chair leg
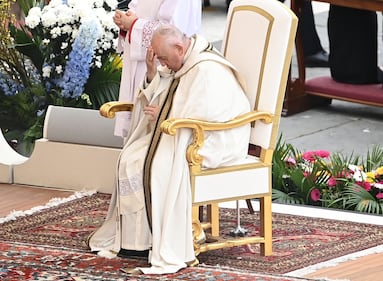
193 263
266 225
213 217
196 213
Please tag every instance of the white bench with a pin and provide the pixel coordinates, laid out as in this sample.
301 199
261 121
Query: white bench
78 152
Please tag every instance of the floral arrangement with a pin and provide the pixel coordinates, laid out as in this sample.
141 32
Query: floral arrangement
63 53
319 178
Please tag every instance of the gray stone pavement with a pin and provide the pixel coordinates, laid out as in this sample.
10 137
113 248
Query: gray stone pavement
344 127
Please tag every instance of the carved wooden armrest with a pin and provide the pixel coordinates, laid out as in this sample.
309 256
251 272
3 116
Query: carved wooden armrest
109 109
170 127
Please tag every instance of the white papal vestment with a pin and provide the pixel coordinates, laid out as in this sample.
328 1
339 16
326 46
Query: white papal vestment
207 90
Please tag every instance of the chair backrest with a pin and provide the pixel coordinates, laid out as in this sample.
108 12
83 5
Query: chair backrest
258 41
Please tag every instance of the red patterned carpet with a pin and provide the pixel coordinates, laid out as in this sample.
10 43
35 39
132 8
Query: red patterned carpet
52 243
22 262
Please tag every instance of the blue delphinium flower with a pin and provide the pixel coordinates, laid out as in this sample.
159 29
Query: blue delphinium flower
8 85
77 69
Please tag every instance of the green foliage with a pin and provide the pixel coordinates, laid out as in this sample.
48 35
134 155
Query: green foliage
104 83
359 199
374 158
27 45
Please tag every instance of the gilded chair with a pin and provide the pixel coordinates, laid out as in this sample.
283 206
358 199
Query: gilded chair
258 40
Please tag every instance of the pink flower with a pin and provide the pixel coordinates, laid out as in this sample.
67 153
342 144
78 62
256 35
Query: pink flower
315 194
379 195
345 174
291 162
332 182
365 184
322 153
311 155
342 174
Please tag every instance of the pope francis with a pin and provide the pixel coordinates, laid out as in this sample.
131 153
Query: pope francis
151 207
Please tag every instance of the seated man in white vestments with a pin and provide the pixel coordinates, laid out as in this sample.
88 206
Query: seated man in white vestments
151 208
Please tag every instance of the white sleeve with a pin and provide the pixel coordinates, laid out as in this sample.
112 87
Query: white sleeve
185 14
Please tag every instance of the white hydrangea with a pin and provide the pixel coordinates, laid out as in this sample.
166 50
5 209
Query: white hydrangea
71 3
55 32
112 4
66 16
81 9
47 71
48 18
64 45
35 12
97 62
74 33
66 29
106 45
109 36
102 15
59 69
33 18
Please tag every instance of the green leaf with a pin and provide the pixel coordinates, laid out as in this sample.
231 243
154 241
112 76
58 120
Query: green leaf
285 198
359 199
103 84
374 158
28 46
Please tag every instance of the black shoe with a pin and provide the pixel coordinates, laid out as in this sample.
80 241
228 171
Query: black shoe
319 59
132 253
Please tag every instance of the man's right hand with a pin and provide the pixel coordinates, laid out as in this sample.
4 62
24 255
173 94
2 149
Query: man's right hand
151 64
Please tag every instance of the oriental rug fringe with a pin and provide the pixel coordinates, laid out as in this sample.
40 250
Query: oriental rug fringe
56 237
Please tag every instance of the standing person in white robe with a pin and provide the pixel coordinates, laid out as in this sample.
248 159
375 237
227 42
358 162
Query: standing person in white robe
137 25
151 207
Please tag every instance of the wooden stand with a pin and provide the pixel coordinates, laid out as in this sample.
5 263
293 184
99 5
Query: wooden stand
302 95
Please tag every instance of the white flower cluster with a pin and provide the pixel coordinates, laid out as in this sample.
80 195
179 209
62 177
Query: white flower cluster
359 174
60 20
